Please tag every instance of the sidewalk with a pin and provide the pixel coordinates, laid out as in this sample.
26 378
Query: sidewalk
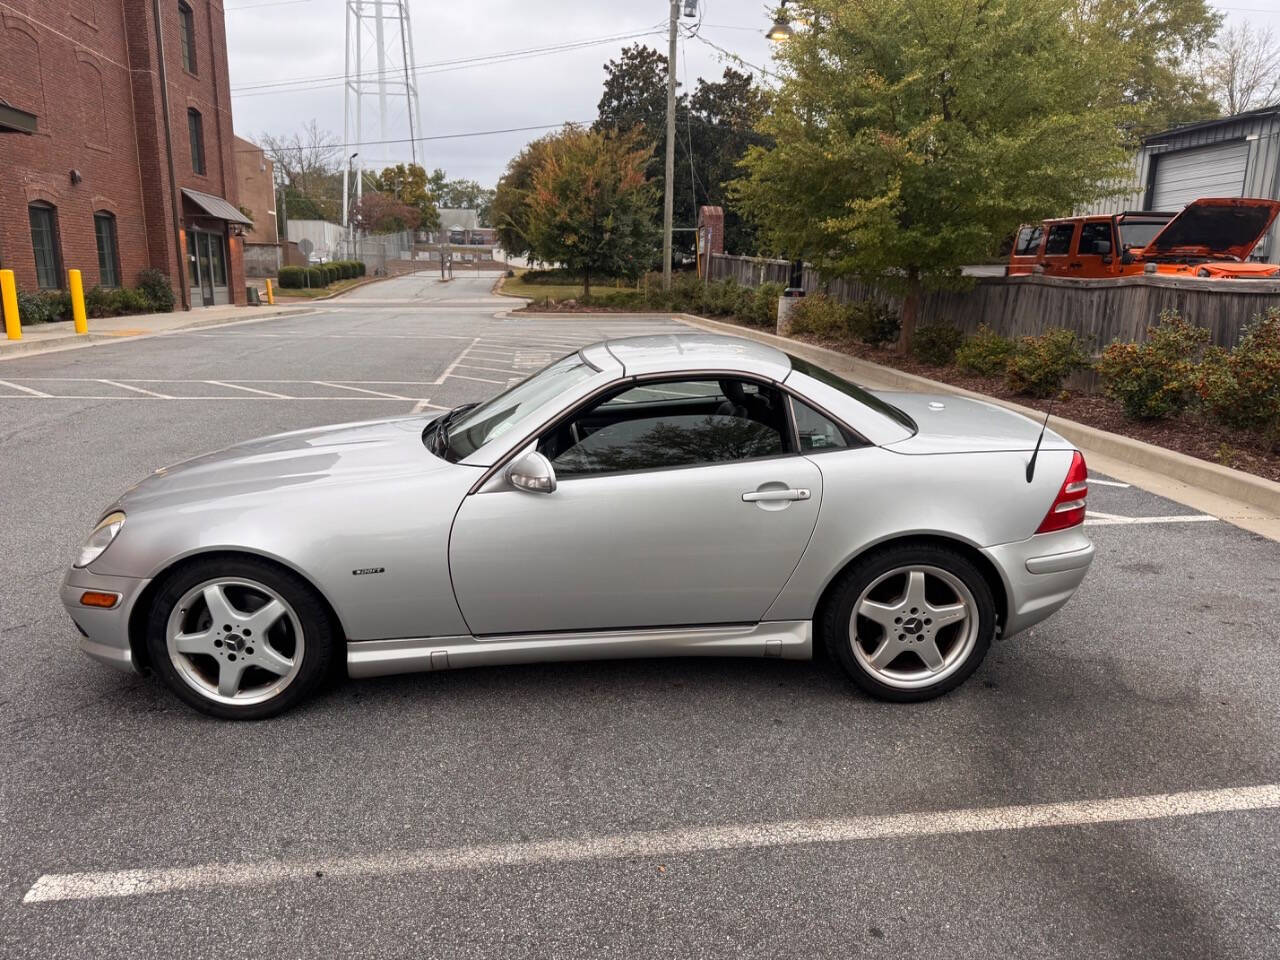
41 337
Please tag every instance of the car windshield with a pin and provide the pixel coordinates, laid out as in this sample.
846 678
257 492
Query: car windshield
853 390
495 417
1138 233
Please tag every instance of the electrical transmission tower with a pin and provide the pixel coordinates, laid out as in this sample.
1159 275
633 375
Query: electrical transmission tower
381 75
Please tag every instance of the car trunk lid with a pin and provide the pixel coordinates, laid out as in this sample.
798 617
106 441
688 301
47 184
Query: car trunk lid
950 424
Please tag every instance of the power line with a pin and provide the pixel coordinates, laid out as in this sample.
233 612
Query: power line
440 136
439 66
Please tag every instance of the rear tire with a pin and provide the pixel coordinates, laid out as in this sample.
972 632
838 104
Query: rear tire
240 638
910 623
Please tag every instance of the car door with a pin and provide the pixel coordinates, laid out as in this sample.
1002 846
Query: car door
678 501
1059 249
1094 249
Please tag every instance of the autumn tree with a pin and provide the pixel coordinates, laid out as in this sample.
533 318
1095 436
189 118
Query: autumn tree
408 184
509 212
590 206
377 212
912 136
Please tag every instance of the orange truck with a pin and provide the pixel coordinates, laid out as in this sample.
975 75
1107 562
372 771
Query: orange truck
1211 237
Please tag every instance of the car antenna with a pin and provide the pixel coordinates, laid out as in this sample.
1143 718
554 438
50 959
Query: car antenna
1031 464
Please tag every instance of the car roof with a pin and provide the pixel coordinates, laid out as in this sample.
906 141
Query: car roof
678 352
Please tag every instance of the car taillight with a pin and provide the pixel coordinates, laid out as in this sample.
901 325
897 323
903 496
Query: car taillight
1068 505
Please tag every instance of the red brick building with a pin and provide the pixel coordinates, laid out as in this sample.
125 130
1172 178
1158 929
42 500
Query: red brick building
116 146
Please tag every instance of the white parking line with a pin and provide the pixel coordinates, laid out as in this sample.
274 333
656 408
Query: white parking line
659 843
1095 519
26 390
142 390
347 386
240 386
456 360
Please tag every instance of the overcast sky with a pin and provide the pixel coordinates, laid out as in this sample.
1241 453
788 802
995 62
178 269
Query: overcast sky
279 40
273 41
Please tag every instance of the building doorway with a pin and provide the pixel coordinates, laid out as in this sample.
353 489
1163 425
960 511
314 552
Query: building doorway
208 259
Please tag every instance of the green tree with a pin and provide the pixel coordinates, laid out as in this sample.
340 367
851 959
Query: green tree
912 136
590 206
509 212
724 115
1149 53
408 184
461 194
714 127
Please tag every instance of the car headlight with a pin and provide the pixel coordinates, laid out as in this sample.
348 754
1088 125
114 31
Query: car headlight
100 539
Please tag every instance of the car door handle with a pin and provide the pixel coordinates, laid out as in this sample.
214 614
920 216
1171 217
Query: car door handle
770 496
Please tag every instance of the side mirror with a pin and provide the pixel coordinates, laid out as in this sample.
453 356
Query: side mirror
1126 258
533 473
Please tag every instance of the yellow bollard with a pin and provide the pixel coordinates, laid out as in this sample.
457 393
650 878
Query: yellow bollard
9 297
271 297
77 301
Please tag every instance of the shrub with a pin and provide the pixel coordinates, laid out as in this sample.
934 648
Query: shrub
819 316
315 277
1040 365
1241 388
290 277
762 308
44 306
124 300
986 353
874 322
360 268
1155 379
97 302
936 344
331 273
155 286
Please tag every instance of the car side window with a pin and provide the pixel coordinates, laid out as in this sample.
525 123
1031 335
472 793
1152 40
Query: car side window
816 432
1095 238
1028 241
1059 242
671 423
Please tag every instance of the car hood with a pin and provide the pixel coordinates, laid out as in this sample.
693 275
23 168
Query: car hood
1228 228
286 462
950 424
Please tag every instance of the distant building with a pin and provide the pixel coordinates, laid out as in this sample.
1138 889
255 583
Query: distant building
116 147
1236 156
328 241
459 228
256 186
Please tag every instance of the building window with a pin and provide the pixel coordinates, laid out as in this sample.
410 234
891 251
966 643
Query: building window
195 130
44 242
104 226
188 29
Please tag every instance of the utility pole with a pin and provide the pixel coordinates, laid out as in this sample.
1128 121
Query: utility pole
668 186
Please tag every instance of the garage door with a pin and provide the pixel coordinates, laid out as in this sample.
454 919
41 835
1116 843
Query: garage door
1186 175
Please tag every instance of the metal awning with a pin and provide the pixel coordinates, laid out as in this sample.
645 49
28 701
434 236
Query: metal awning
13 120
216 207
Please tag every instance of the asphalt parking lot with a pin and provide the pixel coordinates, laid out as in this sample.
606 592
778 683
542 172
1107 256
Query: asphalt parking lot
621 808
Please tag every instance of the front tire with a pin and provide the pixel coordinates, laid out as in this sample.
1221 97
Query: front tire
240 638
910 623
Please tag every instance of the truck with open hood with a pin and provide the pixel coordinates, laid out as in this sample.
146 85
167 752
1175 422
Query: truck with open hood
1211 237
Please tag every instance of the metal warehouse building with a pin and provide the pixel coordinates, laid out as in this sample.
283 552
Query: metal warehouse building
1233 157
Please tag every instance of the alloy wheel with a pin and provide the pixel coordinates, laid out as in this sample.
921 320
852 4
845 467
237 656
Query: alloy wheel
235 641
914 626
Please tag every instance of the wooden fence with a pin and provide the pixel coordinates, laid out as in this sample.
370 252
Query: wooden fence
1098 310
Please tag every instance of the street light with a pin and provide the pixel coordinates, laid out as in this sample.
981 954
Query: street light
781 29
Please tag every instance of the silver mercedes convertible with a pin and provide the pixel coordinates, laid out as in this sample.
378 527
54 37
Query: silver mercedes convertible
689 495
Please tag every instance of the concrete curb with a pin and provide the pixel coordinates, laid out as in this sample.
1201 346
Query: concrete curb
1234 484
